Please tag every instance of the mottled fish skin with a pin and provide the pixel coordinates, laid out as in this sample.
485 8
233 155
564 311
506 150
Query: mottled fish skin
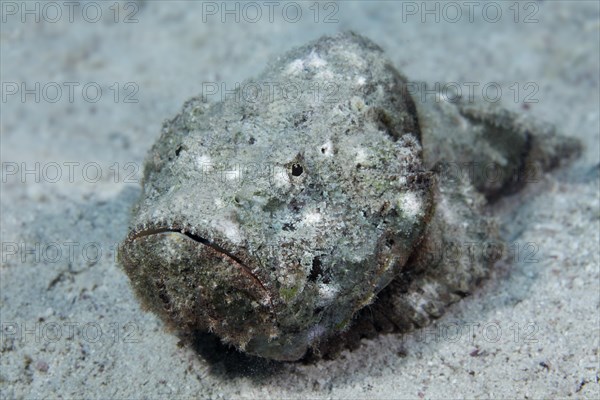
287 226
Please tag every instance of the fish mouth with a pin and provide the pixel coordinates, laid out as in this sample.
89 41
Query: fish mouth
244 268
196 284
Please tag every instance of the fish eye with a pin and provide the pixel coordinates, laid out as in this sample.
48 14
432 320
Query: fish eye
297 169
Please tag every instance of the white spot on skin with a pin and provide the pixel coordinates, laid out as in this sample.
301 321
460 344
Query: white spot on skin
295 67
327 149
312 218
327 294
229 228
315 61
280 177
360 81
410 204
361 156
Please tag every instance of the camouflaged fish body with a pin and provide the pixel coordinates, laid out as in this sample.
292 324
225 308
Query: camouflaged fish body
274 221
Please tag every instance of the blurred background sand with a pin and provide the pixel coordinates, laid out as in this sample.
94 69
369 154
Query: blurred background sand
70 325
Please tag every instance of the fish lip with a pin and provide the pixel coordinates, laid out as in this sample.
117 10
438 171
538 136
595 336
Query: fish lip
145 232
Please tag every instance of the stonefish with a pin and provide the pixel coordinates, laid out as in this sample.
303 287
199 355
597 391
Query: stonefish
318 203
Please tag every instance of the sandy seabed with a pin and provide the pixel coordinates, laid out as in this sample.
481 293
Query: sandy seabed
83 98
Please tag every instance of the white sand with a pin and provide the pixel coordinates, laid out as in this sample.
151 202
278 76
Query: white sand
531 331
